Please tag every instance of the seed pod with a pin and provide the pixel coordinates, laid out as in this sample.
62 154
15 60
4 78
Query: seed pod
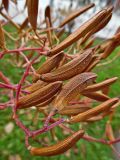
76 14
48 14
96 96
92 65
90 43
48 65
33 12
36 86
73 110
109 50
2 39
24 24
80 32
72 68
49 33
101 85
94 111
48 101
94 119
6 4
73 88
58 148
98 27
40 95
109 131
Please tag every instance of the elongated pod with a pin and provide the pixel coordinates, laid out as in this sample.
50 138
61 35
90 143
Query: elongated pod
40 95
72 68
32 6
36 86
43 104
73 88
48 14
94 111
76 14
48 65
96 96
58 148
80 32
98 27
73 110
100 85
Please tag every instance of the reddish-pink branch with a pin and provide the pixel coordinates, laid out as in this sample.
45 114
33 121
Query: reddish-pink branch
44 52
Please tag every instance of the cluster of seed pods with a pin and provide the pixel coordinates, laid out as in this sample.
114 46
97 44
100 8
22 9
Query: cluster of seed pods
64 84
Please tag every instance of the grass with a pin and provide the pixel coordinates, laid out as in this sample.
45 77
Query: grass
13 143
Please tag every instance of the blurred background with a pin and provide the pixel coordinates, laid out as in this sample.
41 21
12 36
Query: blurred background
11 138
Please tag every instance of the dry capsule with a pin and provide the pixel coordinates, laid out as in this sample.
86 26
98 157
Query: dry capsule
32 6
94 111
40 95
96 96
80 32
58 148
36 86
72 68
101 85
76 14
73 88
48 65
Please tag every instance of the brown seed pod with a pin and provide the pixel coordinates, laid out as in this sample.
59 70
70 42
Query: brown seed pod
109 131
94 111
92 65
80 32
2 39
90 43
36 86
101 85
98 27
6 4
109 49
94 119
76 14
24 24
73 88
32 6
96 96
48 15
48 65
58 148
73 110
48 101
49 33
40 95
72 68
